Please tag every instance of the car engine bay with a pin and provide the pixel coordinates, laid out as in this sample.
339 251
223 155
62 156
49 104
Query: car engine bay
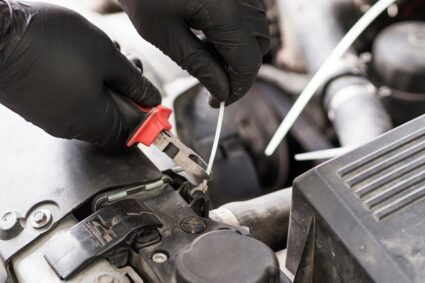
340 200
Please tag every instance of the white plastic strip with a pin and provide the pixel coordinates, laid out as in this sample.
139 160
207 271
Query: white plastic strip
216 138
323 154
321 74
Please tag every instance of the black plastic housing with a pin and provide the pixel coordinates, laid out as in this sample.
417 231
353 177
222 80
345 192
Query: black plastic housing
399 57
359 217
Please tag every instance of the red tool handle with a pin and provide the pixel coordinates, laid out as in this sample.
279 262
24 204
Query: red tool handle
151 127
146 123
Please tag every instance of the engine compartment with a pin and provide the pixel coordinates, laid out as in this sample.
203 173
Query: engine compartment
72 213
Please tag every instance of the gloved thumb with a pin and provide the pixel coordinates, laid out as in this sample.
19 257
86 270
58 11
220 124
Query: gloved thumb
126 79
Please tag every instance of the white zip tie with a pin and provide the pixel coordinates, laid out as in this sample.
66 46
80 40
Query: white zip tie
216 138
321 74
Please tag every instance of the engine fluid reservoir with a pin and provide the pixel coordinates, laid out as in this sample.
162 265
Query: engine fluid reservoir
399 57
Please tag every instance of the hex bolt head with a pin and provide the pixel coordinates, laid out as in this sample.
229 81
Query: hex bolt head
41 218
159 257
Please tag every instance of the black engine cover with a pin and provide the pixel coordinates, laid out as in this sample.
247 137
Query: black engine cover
359 218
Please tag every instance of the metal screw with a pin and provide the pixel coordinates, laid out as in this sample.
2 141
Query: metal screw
159 257
41 218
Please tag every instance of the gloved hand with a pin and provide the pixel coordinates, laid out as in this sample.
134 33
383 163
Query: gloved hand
236 31
57 71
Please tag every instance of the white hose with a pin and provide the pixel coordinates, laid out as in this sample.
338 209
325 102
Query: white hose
321 74
216 138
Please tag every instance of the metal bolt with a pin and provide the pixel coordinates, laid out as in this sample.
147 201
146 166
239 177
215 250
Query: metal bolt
159 257
41 218
193 225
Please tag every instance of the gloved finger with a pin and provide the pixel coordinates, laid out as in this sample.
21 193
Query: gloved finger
95 119
255 17
193 55
126 79
233 40
214 103
243 57
136 62
113 132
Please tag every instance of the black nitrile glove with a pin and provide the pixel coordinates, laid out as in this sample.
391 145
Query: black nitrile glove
237 35
57 71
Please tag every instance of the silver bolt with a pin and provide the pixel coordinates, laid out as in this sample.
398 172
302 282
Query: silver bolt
159 257
41 218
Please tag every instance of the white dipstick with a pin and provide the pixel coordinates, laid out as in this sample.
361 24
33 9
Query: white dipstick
216 138
321 74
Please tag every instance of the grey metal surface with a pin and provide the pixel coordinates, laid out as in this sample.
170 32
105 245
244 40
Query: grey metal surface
355 111
315 28
39 171
31 267
182 155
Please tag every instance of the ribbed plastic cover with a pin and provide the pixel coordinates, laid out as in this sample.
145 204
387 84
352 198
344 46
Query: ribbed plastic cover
390 178
368 205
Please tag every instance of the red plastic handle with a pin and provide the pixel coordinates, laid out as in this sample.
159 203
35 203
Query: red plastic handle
152 126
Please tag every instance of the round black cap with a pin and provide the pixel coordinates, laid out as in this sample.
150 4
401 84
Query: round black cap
399 56
227 256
